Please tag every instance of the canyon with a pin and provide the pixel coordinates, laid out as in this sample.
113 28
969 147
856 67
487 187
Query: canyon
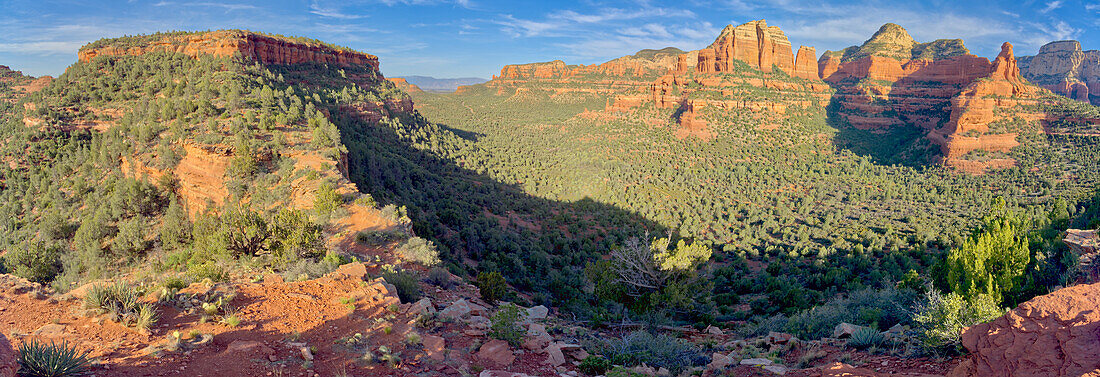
971 108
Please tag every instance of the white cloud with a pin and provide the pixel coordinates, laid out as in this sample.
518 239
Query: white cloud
42 48
1051 6
227 6
331 12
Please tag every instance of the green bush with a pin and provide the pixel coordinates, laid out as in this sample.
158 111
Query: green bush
865 337
407 284
993 260
503 324
595 365
420 251
51 360
869 307
492 286
37 262
440 277
209 270
654 350
941 318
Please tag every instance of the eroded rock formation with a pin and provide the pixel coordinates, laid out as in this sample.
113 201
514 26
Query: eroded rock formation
263 48
1050 335
404 85
1065 69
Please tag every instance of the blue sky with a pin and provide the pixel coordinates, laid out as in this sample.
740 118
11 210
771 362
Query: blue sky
453 38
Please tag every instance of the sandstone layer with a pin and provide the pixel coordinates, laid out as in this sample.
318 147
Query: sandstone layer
962 102
223 43
404 85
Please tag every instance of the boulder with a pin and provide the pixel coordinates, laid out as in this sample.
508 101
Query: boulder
844 330
478 322
757 362
712 330
354 270
500 373
537 338
422 307
554 354
435 347
537 312
778 337
1050 335
9 362
719 361
457 310
497 351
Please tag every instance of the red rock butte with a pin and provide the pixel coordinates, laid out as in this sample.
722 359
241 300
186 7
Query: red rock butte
761 47
224 43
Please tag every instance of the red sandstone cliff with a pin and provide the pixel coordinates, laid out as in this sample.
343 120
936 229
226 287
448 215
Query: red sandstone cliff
404 85
754 43
262 48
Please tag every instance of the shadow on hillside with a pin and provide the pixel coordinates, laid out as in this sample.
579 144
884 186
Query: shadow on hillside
481 224
897 145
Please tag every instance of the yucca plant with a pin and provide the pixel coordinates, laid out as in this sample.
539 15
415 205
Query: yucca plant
865 337
51 360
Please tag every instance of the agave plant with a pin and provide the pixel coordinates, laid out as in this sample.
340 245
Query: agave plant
51 360
865 337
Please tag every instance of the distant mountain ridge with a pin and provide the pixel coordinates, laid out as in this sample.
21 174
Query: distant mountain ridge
433 84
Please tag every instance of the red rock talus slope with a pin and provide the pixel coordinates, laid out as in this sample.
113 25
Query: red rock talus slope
1052 335
263 48
1064 69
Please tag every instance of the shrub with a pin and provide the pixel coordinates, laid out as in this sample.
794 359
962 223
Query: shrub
654 350
209 270
420 251
868 307
492 286
941 318
51 360
595 365
865 337
408 288
378 238
503 324
37 262
440 277
308 269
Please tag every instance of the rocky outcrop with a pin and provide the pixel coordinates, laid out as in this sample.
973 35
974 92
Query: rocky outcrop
9 363
805 64
1065 69
754 43
962 102
978 106
404 85
262 48
1050 335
